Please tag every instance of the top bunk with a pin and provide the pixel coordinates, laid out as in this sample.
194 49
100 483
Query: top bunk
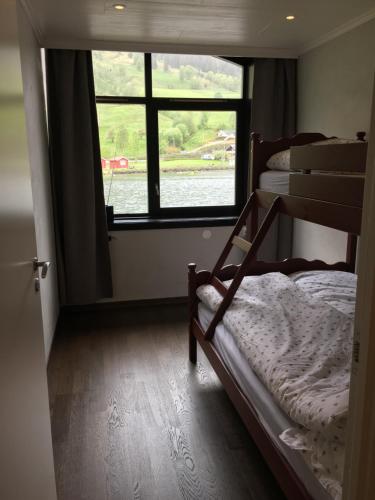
311 165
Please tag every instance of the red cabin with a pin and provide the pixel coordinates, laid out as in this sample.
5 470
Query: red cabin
119 162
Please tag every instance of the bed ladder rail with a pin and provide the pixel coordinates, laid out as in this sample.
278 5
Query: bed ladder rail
251 203
234 239
251 251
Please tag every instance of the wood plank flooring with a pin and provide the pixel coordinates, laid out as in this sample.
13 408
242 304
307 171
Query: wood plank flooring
133 419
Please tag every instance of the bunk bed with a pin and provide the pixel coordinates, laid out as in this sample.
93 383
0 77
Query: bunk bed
238 336
272 170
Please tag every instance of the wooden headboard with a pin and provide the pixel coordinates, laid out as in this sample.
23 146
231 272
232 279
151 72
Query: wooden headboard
261 150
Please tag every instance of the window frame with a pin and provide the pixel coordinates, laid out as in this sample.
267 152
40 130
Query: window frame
186 216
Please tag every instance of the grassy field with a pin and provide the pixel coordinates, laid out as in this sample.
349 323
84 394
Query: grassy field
122 127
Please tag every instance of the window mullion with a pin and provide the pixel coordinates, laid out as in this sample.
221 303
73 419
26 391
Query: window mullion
152 143
244 140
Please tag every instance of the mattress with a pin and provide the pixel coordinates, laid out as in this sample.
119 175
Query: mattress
276 181
273 419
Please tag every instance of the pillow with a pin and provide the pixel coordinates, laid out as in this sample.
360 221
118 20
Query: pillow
279 161
335 140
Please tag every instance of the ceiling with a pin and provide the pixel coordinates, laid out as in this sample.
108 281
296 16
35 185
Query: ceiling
226 27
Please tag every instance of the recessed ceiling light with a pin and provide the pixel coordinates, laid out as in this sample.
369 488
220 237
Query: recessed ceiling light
290 18
119 6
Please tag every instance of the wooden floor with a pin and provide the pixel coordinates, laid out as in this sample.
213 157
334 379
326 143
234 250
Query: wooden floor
133 419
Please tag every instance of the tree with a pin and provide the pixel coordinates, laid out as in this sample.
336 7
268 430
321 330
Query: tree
174 136
176 118
187 72
195 83
136 138
203 121
188 121
110 136
138 60
184 130
121 139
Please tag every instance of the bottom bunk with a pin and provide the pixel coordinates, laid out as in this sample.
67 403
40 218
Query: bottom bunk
280 337
325 351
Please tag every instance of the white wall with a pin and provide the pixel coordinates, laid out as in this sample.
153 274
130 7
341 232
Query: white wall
334 97
149 264
41 185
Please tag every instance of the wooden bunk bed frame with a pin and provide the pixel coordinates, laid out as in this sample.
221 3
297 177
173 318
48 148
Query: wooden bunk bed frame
342 217
339 216
262 150
342 189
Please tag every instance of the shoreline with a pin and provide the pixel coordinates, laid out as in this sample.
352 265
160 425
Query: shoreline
168 170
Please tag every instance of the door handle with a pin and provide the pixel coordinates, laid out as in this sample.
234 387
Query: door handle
44 264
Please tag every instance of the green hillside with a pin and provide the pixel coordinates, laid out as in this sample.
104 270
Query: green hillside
122 126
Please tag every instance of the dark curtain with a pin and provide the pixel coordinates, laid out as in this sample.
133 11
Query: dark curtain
77 185
273 115
273 107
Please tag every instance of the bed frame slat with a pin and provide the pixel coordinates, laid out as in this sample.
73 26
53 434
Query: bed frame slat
241 243
330 157
343 189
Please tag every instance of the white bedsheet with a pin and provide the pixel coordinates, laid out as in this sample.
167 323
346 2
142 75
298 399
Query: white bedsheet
297 339
276 181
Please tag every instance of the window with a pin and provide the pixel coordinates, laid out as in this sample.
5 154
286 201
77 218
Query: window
124 156
195 77
174 135
201 163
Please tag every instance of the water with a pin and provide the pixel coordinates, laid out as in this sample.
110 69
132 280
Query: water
189 189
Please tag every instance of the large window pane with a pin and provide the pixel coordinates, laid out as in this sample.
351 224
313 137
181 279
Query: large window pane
122 130
119 73
176 75
197 158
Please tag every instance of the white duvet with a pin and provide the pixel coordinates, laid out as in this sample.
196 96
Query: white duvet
296 332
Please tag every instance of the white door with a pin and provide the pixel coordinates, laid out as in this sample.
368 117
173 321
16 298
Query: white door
359 477
26 458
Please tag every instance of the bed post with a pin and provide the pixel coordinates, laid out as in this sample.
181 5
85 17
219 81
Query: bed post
361 136
351 246
351 251
192 284
255 170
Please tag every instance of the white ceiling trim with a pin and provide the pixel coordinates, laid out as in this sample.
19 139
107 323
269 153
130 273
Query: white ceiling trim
33 20
341 30
168 48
